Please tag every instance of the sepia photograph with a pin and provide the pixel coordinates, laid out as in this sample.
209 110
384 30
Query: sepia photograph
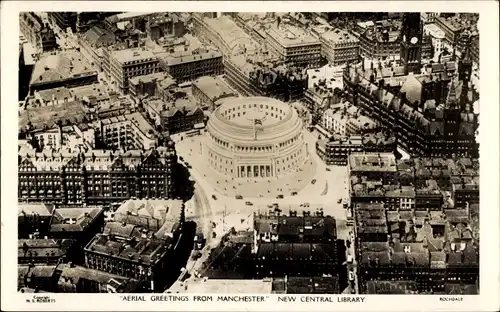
175 155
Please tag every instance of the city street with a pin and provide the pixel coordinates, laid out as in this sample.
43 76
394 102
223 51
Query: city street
329 188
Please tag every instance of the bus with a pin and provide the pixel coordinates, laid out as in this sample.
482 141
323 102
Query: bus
192 133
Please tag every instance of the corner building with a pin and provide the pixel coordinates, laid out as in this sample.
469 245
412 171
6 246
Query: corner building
255 137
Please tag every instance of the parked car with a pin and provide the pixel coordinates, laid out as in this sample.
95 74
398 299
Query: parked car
280 196
199 241
248 203
294 193
214 197
339 201
238 197
328 169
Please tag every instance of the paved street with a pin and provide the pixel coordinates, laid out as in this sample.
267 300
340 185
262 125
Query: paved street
330 186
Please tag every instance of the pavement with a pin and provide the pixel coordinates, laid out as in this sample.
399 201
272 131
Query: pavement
330 185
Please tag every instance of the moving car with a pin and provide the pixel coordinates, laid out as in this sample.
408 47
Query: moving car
313 181
280 196
339 201
238 197
248 203
214 197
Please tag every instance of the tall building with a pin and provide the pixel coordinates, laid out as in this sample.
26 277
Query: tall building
68 69
411 43
64 20
38 33
426 114
96 177
129 63
188 65
339 47
293 45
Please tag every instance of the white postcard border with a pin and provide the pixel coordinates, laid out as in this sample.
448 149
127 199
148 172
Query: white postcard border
489 168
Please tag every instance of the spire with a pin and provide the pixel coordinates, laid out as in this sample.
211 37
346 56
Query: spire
464 94
452 94
466 56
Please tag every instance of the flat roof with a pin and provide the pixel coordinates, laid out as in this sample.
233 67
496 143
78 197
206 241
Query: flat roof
290 35
134 54
374 162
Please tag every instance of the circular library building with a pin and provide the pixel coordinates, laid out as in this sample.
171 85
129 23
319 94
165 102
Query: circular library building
254 137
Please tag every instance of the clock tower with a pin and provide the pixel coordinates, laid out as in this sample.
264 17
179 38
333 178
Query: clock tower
411 43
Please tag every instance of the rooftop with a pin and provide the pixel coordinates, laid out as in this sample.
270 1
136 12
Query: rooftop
67 65
51 160
74 219
289 35
213 87
130 243
141 213
392 287
73 274
373 162
147 78
182 58
306 226
133 55
337 36
40 209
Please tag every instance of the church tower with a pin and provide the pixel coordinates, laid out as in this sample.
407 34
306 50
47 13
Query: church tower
451 111
411 43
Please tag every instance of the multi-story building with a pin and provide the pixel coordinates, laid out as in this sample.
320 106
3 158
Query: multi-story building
336 151
38 278
437 37
87 20
63 20
339 47
347 121
138 20
96 177
208 90
318 99
149 214
145 85
423 122
68 69
451 26
428 17
378 40
78 279
44 251
420 247
131 131
249 67
93 43
190 65
164 25
129 63
133 251
375 166
38 33
294 245
293 45
474 50
175 116
61 137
